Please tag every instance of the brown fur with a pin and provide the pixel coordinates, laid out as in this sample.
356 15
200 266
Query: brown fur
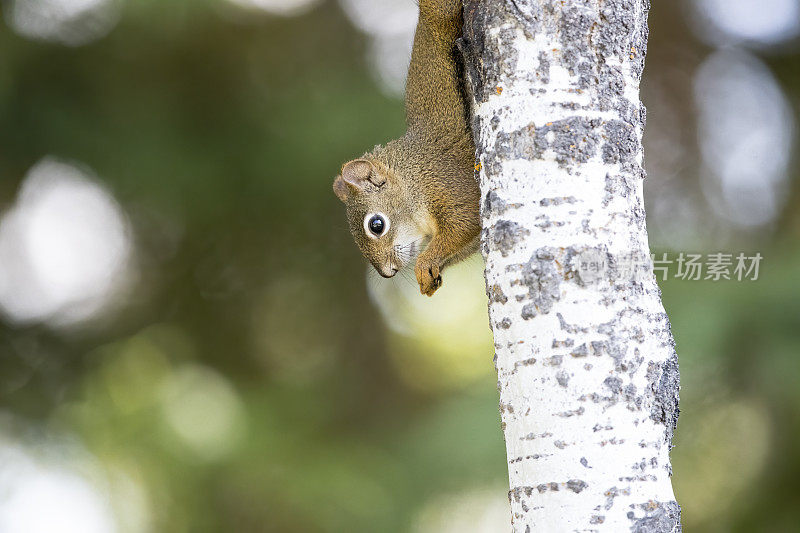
424 181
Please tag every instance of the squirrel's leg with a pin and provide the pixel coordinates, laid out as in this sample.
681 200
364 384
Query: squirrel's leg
442 248
428 268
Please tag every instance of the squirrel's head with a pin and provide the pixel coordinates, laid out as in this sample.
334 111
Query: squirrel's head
379 214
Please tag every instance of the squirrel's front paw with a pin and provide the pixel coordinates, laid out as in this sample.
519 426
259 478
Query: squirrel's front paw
428 276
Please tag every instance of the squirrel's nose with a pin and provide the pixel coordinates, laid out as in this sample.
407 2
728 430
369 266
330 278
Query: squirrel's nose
387 272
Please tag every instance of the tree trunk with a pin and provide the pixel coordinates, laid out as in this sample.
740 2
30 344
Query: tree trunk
587 369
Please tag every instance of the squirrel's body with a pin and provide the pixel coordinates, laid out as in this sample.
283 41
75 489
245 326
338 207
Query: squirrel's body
421 187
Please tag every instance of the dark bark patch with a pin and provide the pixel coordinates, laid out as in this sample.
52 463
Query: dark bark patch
574 412
574 140
621 143
484 68
616 187
504 236
576 485
494 204
555 360
504 324
664 383
580 351
545 202
541 277
543 70
659 517
496 294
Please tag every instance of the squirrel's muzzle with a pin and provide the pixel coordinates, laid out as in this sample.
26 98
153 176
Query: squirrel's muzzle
386 271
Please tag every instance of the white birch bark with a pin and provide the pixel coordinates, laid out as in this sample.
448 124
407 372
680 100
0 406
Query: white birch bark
587 370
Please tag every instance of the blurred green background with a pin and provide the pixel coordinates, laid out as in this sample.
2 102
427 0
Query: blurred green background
190 341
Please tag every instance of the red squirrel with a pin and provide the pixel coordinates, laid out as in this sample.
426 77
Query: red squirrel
416 198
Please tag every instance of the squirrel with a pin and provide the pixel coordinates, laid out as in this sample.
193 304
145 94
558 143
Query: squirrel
421 188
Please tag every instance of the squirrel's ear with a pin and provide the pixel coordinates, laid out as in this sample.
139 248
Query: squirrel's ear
340 188
357 173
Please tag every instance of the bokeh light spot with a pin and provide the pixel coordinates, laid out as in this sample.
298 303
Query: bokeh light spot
745 130
203 411
479 511
389 56
763 22
64 247
46 497
390 24
69 22
285 8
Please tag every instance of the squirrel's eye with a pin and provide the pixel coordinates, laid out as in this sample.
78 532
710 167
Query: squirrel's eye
376 224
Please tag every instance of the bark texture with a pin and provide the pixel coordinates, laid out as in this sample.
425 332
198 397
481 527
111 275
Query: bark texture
587 370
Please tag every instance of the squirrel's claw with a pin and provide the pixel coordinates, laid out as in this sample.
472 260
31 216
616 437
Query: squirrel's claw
428 275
